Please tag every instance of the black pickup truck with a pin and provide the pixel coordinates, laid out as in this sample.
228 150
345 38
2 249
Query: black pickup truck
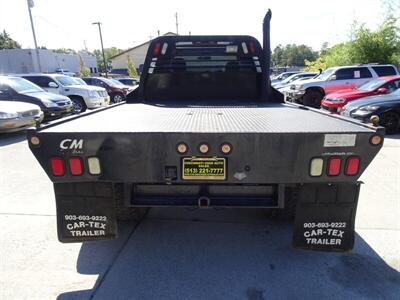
205 128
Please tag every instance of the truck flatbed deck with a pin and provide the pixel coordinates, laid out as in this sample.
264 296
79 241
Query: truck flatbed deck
256 118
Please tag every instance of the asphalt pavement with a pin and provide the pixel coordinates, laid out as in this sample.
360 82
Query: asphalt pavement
192 254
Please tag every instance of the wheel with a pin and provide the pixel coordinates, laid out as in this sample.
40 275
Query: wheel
116 98
313 98
79 105
391 121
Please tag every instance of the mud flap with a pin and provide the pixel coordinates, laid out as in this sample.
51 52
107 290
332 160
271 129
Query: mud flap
325 216
85 212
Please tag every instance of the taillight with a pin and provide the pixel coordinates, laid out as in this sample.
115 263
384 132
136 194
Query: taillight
75 166
156 49
252 48
316 166
333 167
94 166
352 166
57 166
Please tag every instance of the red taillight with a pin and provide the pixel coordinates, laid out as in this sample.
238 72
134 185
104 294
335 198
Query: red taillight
57 166
75 166
352 166
156 49
252 48
333 168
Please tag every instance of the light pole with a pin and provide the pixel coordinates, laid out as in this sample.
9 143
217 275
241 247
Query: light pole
30 5
102 48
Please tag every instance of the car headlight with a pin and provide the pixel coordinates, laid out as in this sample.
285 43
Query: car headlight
369 108
93 94
4 115
337 100
49 103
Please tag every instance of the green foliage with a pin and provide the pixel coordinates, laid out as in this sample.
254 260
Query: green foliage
65 51
292 55
6 42
108 52
131 68
367 46
83 72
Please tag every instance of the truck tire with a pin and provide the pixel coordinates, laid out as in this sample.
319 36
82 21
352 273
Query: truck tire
391 121
312 98
117 97
79 105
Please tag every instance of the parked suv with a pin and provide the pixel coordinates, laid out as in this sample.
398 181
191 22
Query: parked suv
311 92
82 96
116 91
21 90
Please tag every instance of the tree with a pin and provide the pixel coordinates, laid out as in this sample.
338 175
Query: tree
6 42
380 46
108 52
292 55
84 72
131 68
65 51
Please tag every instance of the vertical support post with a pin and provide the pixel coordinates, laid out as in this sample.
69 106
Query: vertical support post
30 5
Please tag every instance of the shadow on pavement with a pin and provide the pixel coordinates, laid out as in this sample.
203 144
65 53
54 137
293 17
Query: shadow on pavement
12 138
227 255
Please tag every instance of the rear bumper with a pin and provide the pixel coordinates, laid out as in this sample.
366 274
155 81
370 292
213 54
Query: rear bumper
325 213
18 124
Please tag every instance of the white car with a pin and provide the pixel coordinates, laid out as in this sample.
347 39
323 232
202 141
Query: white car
82 96
16 116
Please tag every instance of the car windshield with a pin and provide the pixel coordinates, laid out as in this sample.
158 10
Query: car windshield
79 81
66 80
326 74
21 85
371 85
116 82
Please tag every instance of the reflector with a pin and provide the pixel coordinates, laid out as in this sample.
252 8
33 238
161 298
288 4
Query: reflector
334 166
57 166
75 166
352 166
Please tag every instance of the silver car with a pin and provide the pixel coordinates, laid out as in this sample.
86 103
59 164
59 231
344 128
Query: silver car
16 116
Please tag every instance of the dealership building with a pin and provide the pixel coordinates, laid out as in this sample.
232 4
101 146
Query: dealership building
16 61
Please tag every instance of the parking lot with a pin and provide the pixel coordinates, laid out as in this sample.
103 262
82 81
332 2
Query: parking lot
192 254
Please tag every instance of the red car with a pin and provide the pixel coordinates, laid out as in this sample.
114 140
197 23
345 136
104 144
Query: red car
333 102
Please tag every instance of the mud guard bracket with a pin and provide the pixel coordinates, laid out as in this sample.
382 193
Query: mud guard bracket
85 212
325 216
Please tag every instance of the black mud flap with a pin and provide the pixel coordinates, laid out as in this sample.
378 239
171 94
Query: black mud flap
85 212
325 216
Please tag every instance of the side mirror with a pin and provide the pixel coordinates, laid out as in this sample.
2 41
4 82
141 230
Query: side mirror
53 84
382 90
333 77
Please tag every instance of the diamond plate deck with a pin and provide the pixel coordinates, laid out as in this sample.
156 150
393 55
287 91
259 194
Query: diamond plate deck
266 118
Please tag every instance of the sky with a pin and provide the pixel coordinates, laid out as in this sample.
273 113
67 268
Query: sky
68 23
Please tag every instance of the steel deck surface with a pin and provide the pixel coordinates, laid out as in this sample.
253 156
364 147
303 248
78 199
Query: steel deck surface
262 118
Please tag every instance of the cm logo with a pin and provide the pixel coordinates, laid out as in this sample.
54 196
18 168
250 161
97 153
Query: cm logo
71 144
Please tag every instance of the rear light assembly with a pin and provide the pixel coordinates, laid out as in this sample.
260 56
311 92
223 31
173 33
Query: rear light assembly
57 166
75 166
334 165
352 166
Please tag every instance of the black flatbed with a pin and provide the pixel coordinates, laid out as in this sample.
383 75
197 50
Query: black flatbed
252 118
